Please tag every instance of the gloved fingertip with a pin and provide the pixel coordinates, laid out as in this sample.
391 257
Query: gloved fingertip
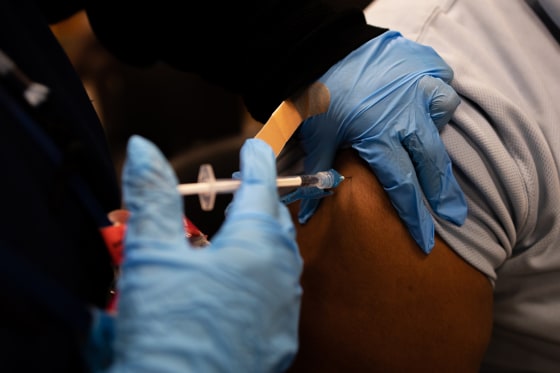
424 237
150 192
258 191
307 209
302 220
145 165
410 207
258 162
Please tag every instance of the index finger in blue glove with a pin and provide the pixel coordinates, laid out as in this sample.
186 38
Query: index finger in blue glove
257 199
258 191
150 194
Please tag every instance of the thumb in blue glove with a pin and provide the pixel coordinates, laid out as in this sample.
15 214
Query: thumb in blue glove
231 306
388 99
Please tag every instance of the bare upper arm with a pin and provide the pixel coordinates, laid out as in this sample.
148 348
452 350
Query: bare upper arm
372 300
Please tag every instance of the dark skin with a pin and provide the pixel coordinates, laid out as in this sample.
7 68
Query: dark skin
373 301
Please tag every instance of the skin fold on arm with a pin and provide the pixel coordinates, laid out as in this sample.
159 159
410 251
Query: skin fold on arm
372 301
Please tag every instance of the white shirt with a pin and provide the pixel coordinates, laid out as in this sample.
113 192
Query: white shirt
504 141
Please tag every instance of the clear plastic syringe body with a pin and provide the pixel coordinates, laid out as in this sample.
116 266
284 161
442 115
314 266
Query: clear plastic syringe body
208 186
322 180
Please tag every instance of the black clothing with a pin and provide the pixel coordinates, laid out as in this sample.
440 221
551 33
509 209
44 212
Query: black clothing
42 221
264 50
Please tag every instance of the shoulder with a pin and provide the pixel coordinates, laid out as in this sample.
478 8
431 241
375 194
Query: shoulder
367 282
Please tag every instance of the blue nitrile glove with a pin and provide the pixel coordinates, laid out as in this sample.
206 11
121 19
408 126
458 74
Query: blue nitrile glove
232 306
388 99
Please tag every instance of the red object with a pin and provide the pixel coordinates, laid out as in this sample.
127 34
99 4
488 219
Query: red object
195 236
113 235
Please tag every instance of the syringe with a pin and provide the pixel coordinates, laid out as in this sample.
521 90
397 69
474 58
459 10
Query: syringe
208 186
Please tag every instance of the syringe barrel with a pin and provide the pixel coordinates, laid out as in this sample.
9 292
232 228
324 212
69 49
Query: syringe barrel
321 180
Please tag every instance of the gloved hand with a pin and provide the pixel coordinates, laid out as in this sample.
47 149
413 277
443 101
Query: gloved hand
388 99
231 306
